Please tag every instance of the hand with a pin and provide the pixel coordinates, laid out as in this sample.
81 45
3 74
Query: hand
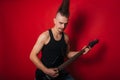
87 49
52 72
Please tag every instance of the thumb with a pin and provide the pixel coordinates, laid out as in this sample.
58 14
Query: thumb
84 47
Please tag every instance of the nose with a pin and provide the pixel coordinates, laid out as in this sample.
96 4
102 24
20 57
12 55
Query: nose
63 25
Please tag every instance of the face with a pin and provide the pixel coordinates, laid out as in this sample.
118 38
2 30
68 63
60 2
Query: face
60 22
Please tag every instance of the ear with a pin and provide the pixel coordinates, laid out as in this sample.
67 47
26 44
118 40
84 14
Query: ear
54 20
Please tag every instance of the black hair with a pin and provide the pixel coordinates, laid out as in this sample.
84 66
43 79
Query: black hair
64 8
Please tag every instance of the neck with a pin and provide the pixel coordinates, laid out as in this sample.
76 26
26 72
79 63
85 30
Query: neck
56 31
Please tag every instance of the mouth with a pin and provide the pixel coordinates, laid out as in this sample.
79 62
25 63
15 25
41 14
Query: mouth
61 29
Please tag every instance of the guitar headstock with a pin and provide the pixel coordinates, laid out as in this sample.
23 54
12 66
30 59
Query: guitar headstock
92 43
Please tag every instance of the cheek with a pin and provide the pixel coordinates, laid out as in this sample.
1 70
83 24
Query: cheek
58 25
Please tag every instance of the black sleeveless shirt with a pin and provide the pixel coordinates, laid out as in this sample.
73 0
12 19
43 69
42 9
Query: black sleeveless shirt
54 52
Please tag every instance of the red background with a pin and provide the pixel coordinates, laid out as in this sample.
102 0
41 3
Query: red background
21 22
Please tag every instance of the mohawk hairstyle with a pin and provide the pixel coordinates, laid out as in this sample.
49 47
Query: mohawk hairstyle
64 8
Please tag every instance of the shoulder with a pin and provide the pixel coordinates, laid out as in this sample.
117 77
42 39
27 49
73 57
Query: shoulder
66 37
43 36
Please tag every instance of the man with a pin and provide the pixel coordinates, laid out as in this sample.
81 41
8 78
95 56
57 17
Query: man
54 44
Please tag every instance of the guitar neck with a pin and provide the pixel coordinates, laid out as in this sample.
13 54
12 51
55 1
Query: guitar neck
69 61
90 45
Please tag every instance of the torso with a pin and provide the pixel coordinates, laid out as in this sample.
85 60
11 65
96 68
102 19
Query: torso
54 51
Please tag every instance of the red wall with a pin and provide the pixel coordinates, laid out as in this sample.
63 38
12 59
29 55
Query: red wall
22 21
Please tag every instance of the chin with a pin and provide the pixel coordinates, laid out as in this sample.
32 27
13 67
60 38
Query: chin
60 30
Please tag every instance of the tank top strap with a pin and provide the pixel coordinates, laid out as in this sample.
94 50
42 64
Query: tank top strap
50 33
63 36
52 37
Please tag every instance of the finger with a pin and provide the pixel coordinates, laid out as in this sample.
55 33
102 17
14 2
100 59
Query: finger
86 50
55 69
55 75
84 47
57 72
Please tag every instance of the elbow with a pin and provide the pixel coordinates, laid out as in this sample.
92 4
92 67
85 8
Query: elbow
31 56
68 56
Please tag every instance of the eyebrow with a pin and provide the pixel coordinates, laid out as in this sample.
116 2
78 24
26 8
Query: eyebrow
62 23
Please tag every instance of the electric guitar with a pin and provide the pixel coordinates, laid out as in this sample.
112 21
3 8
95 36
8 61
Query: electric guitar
69 61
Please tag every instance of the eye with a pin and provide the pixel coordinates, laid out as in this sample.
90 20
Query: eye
60 22
66 23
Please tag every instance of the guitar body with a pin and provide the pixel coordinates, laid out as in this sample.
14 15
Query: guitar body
41 76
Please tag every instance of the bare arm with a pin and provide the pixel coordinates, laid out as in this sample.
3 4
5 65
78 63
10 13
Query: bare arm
42 40
72 53
36 49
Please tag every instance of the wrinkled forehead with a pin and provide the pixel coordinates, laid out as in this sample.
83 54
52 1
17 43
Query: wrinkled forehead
61 18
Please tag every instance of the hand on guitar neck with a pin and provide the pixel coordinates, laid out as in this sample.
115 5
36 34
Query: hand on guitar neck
87 49
81 52
89 46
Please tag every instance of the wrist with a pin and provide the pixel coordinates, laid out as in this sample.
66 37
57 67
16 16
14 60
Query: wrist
45 70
